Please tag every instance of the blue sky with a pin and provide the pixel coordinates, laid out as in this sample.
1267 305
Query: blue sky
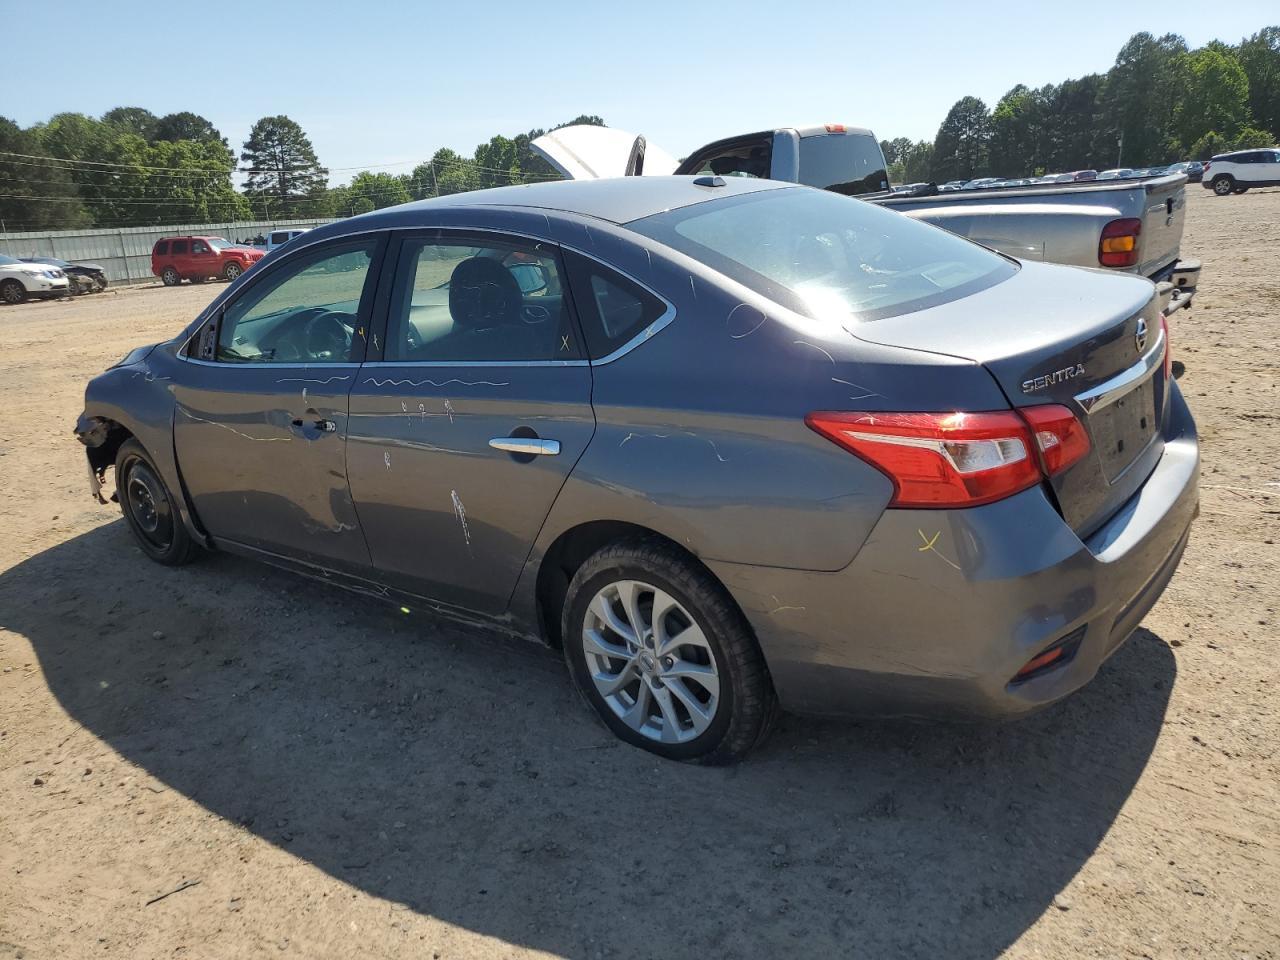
384 83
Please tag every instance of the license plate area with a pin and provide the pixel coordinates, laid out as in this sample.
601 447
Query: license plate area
1124 428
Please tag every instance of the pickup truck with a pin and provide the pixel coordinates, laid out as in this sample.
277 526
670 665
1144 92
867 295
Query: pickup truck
1133 226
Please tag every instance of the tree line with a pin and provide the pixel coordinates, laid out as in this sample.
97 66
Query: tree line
132 168
1159 103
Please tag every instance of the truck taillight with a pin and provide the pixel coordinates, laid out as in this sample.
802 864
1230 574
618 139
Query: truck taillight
947 460
835 128
1118 246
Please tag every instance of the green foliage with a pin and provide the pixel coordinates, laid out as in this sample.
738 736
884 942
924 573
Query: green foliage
1209 145
1259 56
962 148
281 163
1214 95
22 177
187 126
1250 138
136 120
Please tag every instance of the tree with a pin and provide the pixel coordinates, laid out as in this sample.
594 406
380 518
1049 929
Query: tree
1250 138
1209 146
280 162
1259 55
187 126
453 173
1214 96
23 177
137 120
1136 102
377 190
917 162
895 150
496 163
961 148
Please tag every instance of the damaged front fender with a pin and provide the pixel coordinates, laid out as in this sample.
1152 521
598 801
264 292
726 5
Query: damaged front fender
96 433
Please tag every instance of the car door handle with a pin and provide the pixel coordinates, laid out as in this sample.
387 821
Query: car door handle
327 426
531 446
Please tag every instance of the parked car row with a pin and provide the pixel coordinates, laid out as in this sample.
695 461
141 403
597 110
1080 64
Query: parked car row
42 278
1193 169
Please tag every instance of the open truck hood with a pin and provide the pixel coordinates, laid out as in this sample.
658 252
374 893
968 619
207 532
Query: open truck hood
588 152
1096 347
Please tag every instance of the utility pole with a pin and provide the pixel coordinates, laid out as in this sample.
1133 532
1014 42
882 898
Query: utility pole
1120 149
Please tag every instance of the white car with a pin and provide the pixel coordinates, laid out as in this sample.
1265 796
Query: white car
1237 172
19 280
278 238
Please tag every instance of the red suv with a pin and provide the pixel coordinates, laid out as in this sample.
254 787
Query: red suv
199 258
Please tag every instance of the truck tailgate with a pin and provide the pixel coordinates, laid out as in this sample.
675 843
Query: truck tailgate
1162 220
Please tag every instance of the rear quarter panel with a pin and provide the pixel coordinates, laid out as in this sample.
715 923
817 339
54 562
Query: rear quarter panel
700 429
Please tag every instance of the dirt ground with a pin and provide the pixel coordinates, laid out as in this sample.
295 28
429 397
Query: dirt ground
317 775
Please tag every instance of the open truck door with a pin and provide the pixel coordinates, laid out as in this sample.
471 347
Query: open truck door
588 152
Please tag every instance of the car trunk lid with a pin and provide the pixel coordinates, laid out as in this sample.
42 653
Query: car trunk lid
1096 348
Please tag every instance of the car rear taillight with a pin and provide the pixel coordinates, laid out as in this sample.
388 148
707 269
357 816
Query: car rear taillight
1118 246
1060 437
946 460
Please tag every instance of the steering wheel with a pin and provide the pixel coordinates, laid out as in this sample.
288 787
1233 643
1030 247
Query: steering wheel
327 336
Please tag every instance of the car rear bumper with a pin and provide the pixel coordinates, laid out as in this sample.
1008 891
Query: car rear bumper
941 609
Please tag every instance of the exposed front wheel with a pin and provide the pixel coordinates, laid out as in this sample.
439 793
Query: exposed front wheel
170 277
150 509
1223 185
662 654
12 291
232 271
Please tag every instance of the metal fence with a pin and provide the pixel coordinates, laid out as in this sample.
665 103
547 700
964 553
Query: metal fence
125 254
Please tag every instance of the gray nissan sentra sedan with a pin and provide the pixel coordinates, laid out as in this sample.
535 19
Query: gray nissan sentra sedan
729 444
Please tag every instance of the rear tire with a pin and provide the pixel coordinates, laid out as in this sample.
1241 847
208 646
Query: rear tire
170 277
12 292
1223 185
691 683
150 509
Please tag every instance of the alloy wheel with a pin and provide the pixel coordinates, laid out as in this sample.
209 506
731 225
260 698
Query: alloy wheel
233 271
650 662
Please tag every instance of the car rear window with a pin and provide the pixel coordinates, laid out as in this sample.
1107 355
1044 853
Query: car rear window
828 256
847 163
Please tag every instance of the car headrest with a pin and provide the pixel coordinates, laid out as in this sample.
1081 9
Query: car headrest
483 294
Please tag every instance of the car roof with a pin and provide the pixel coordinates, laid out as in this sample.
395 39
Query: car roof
614 199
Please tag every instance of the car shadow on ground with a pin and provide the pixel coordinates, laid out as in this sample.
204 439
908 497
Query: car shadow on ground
457 774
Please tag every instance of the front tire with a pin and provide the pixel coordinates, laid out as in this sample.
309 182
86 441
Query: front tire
13 292
150 509
1223 185
232 272
170 277
660 651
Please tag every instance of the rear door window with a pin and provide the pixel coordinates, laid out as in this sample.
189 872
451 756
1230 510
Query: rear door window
847 163
491 301
178 247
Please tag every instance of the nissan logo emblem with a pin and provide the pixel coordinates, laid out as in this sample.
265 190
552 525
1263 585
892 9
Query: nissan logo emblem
1140 335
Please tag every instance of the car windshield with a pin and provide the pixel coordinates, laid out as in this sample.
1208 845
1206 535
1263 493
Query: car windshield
828 256
219 243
